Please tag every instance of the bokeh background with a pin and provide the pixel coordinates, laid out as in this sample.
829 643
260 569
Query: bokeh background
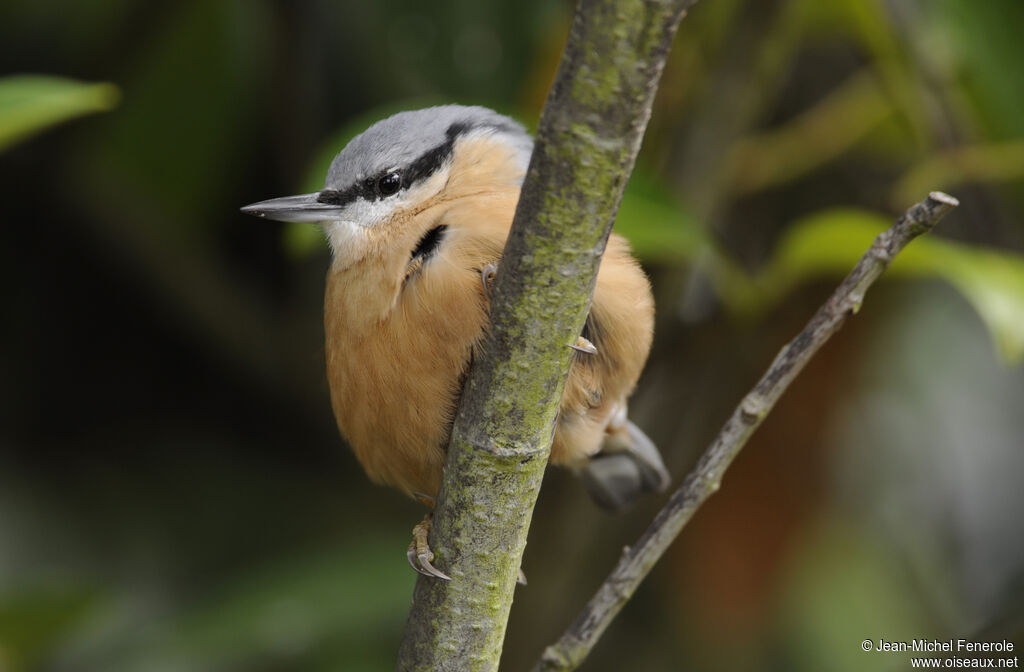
173 492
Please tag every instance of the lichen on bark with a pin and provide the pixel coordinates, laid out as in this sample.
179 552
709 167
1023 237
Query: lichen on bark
587 142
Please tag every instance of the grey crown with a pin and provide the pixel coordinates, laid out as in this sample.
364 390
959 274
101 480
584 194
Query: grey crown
399 140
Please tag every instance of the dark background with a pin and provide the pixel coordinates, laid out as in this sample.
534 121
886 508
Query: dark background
173 491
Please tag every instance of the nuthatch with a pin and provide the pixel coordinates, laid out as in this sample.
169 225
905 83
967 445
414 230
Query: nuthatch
416 210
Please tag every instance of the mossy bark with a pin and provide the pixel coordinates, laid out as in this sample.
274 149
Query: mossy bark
587 142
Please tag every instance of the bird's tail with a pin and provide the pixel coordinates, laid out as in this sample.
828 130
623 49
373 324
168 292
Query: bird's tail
627 466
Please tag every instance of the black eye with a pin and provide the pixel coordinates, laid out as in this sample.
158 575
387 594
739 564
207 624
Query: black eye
389 184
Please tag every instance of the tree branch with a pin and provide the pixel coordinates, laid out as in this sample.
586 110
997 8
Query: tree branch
587 142
636 562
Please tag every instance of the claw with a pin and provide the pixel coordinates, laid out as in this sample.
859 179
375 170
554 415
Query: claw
411 556
419 554
487 275
429 569
585 346
521 580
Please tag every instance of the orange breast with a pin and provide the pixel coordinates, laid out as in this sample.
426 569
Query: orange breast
398 347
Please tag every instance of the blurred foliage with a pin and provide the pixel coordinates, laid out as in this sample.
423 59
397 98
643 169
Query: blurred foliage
329 606
844 565
827 243
173 494
29 104
34 620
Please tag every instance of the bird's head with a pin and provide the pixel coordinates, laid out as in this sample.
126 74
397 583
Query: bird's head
400 165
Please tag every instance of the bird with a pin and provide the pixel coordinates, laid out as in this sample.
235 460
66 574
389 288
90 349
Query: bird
416 210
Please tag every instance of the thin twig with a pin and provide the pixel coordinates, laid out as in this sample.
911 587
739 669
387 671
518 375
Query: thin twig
574 646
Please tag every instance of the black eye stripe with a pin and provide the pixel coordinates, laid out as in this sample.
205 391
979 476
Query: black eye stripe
335 197
344 197
420 169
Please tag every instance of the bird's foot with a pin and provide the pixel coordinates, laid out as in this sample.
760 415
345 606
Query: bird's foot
419 554
487 275
585 346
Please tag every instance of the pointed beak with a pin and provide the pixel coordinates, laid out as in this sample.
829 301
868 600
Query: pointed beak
304 208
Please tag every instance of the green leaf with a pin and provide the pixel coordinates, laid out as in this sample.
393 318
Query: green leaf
831 242
31 103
